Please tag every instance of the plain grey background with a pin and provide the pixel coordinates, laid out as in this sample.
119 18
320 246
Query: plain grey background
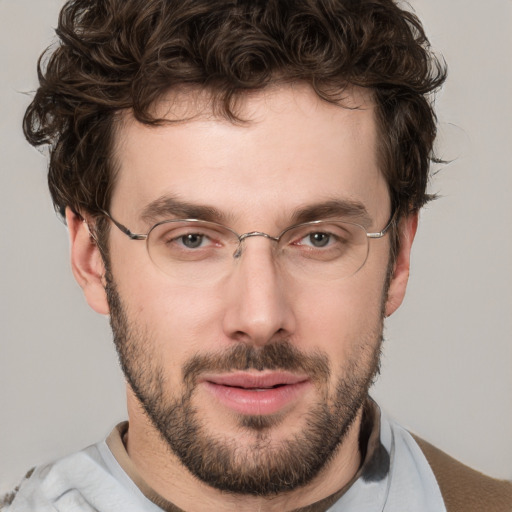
447 366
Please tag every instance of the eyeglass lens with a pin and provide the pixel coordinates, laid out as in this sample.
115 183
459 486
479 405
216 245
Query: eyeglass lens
205 251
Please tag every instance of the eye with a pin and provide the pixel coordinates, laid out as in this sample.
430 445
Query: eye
323 240
313 238
317 239
184 239
192 240
187 240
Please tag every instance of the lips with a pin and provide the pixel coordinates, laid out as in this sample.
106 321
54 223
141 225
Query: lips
256 393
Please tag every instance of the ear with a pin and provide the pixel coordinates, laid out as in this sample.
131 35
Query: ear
407 229
86 263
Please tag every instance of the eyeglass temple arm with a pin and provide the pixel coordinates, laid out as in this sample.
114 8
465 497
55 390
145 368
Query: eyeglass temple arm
380 234
124 229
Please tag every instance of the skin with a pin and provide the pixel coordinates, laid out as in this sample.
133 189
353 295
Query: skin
296 151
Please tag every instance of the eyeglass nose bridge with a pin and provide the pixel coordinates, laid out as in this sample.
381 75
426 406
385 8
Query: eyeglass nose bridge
243 237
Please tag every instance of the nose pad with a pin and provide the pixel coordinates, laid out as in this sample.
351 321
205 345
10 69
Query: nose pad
258 307
238 250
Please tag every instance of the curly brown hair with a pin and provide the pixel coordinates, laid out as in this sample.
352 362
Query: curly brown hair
125 54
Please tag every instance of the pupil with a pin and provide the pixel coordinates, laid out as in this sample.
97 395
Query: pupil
192 241
319 239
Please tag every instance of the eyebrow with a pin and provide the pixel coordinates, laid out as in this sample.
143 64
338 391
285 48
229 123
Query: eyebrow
170 207
166 207
333 208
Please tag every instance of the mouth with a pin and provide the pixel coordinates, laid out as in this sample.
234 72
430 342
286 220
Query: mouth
256 393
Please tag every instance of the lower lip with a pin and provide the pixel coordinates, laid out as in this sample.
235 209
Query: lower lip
257 402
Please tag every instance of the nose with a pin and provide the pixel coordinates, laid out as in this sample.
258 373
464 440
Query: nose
258 305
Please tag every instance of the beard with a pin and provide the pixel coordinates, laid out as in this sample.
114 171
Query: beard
261 466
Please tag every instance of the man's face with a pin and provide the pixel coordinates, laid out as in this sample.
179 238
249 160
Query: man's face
255 377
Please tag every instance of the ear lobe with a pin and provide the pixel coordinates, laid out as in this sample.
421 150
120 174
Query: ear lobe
86 263
407 230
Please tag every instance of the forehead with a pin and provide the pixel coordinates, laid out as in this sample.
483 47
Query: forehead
291 150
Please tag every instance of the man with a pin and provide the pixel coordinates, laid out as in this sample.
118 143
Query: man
241 182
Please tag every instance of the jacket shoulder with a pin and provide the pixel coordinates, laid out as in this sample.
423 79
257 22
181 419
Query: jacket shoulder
464 489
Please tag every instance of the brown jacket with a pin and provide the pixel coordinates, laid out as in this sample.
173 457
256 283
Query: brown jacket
463 488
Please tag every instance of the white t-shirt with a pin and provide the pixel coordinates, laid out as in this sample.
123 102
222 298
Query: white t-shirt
395 477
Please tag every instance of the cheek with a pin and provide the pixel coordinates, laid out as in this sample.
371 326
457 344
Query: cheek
340 317
179 319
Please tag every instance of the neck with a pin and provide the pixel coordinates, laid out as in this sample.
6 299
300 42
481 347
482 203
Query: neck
163 472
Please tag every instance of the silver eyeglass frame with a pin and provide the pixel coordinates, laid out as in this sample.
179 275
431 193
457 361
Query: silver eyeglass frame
242 237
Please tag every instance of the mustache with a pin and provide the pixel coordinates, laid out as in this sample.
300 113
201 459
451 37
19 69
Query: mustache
281 355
